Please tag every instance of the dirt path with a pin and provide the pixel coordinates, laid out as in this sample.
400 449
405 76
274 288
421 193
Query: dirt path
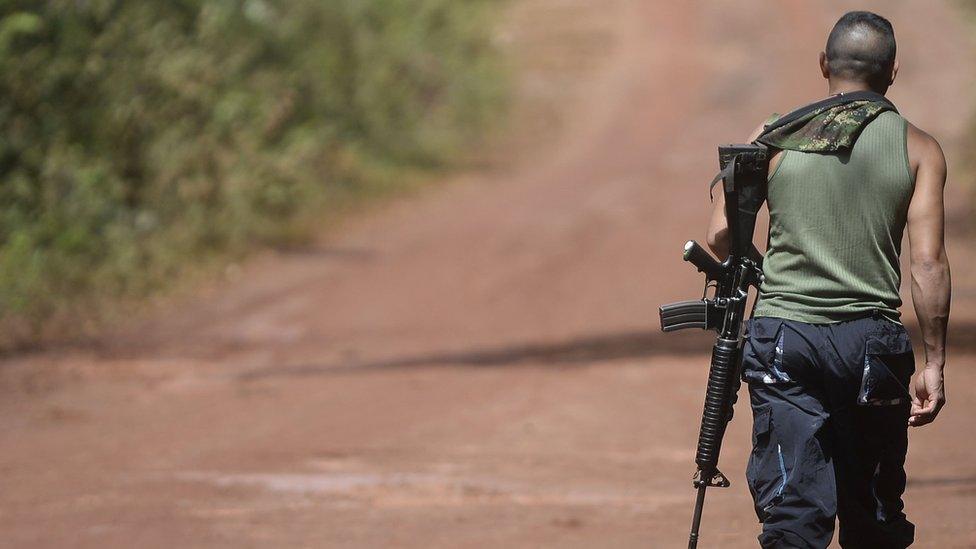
479 366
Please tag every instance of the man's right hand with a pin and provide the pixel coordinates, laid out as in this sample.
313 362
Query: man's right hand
928 396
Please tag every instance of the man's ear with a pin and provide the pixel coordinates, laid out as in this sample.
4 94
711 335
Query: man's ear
824 68
894 72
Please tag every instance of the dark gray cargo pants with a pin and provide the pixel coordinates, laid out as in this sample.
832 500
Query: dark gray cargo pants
830 407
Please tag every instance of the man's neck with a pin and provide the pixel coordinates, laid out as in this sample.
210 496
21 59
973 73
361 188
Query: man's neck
842 86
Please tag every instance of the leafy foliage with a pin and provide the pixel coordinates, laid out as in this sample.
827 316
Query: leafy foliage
139 137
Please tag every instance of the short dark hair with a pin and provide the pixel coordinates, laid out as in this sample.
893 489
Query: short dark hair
861 47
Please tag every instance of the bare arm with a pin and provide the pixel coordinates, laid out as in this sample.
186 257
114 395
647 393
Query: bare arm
931 286
718 229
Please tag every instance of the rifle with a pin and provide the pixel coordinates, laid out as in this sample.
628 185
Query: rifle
743 172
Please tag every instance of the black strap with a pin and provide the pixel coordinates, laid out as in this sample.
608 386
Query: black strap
727 173
832 101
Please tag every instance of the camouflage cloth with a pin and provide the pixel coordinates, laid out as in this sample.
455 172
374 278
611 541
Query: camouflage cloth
825 130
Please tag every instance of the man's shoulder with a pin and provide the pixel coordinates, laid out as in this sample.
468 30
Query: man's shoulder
923 148
919 136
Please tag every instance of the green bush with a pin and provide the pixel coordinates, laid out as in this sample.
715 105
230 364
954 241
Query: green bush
141 137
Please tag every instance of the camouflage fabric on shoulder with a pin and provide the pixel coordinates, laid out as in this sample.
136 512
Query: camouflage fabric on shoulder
827 130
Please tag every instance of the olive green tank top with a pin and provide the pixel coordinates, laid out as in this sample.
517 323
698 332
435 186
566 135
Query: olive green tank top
835 230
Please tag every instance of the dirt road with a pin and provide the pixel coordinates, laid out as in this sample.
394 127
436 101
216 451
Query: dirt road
479 365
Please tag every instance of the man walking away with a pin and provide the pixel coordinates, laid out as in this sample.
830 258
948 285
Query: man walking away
828 364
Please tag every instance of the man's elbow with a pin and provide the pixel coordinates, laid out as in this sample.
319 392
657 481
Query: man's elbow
718 241
930 266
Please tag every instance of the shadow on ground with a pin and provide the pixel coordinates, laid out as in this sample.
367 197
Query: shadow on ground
577 352
942 481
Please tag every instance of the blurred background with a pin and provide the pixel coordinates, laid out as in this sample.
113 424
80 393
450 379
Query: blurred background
142 138
385 273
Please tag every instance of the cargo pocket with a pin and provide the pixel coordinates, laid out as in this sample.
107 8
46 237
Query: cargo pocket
888 366
765 348
766 470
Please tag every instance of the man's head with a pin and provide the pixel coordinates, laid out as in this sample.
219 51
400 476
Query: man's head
861 50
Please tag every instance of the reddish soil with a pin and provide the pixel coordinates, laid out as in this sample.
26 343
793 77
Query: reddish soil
480 365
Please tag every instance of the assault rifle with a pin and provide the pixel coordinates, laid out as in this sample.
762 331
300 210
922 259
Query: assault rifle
743 173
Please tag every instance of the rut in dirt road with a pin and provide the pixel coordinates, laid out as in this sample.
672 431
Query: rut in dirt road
479 365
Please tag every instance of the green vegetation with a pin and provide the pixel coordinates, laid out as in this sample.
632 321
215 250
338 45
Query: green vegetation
142 137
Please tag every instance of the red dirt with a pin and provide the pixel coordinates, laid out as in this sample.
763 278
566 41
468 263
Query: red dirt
479 366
